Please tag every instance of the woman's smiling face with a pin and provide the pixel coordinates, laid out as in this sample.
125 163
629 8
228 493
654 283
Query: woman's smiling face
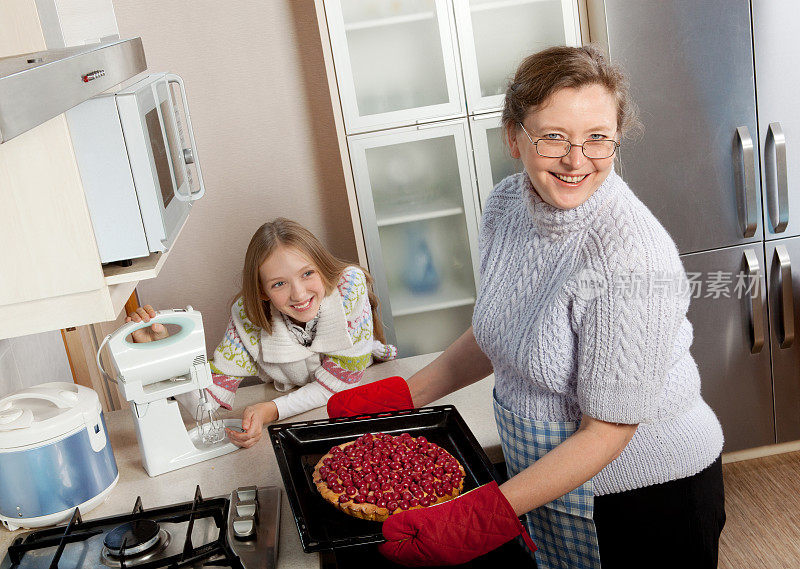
577 115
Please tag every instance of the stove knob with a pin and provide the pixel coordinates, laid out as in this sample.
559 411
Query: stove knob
247 493
243 510
244 528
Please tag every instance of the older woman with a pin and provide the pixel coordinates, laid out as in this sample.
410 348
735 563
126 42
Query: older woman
582 317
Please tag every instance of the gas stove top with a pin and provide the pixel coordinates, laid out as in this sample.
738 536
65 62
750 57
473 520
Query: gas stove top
238 531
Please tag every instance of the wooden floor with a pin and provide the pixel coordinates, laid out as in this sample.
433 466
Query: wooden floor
762 503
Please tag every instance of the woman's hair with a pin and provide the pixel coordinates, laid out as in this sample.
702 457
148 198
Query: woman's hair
544 73
287 233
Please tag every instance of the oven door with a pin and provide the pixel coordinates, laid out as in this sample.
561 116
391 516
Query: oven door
165 169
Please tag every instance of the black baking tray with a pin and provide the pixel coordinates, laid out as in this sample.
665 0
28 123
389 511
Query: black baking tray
299 446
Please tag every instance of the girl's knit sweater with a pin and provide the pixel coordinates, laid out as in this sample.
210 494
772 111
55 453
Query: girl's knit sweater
343 347
583 311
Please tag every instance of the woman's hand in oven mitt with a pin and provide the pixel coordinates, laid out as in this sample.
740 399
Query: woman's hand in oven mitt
390 394
452 532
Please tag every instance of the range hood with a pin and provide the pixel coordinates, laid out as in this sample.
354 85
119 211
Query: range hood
35 87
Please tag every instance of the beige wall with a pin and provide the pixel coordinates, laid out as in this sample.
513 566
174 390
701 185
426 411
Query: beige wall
262 117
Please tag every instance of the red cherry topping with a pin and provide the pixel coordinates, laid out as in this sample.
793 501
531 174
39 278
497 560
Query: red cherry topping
391 472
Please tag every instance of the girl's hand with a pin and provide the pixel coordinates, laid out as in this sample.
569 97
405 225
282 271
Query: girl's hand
253 420
155 332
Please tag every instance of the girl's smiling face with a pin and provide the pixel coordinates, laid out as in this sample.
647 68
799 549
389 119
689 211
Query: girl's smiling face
291 282
577 115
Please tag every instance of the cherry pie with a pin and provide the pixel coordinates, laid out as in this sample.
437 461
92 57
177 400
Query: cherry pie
379 474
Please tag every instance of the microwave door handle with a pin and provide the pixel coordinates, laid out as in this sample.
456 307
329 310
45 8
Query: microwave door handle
162 121
173 78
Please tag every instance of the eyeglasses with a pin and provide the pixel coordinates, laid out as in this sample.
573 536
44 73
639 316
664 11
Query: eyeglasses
558 148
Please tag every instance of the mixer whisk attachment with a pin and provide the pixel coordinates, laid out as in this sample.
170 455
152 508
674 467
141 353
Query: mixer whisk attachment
209 426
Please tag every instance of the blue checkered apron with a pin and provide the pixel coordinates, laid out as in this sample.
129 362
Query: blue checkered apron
563 530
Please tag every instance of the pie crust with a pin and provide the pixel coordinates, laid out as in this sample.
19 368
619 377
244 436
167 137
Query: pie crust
379 470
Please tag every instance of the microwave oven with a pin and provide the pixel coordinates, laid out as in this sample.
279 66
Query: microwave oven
139 174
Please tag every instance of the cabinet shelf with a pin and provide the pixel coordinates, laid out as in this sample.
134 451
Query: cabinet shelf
500 4
449 295
143 268
411 217
390 21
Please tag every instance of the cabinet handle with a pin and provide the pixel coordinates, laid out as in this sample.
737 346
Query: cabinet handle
756 304
776 177
444 121
748 180
786 313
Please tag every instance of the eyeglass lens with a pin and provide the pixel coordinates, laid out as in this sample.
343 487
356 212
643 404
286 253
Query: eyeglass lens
591 148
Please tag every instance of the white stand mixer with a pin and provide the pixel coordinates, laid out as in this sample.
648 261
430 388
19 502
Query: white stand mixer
149 373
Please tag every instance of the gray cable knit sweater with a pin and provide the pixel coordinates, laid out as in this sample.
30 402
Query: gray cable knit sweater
584 311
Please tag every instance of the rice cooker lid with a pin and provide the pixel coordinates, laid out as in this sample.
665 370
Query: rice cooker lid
45 412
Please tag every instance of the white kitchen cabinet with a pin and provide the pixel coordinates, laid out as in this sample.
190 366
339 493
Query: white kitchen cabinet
415 189
51 275
396 62
495 35
493 160
419 155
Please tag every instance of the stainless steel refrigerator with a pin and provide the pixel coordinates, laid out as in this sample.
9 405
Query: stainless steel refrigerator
717 84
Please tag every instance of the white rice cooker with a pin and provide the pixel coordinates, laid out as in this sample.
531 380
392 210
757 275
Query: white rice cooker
54 455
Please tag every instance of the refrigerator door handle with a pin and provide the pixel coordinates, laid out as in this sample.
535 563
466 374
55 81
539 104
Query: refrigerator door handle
776 177
756 303
748 180
786 313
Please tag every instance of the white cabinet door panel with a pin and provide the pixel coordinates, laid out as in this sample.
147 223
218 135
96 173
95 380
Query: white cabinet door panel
396 62
495 35
493 160
415 189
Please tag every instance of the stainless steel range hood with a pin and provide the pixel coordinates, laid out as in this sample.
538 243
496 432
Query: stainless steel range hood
35 87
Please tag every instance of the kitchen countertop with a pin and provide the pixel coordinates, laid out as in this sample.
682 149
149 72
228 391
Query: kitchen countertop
257 465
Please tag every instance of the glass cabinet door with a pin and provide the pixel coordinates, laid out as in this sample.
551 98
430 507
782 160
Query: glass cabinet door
495 35
493 160
395 62
415 193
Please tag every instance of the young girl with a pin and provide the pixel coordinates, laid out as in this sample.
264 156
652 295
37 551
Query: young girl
303 318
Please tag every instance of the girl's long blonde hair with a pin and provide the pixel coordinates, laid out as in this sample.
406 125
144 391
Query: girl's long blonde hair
287 233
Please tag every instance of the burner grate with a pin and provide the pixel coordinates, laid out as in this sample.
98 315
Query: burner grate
78 530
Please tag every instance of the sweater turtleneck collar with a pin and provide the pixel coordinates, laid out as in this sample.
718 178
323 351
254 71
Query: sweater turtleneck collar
553 220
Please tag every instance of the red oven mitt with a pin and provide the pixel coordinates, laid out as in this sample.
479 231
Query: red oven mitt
390 394
452 532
